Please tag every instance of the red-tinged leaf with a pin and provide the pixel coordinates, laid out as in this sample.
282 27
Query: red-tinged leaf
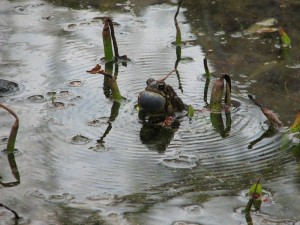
95 70
296 124
168 121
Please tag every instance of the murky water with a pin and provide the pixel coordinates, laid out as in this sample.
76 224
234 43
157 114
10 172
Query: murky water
85 159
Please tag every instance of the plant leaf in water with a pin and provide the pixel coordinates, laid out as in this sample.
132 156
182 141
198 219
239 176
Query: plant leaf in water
216 95
285 40
191 111
296 124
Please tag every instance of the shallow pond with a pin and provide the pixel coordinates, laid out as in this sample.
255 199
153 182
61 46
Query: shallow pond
86 159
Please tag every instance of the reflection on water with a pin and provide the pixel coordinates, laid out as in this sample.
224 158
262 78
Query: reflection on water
117 176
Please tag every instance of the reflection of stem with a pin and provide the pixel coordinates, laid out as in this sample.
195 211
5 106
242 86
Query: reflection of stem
178 44
14 212
269 133
208 75
10 148
14 130
217 122
248 219
180 85
14 171
113 115
113 86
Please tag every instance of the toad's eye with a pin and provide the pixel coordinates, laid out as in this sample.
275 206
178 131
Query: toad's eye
149 81
161 86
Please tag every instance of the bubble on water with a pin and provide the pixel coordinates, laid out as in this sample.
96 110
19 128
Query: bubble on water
21 10
35 193
64 93
97 19
180 161
219 33
75 83
60 198
58 105
36 98
98 122
80 140
193 209
71 27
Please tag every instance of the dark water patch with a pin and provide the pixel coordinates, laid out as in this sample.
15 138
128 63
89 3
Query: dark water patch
64 94
8 88
57 105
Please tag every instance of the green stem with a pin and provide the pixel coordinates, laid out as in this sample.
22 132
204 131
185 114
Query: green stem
106 35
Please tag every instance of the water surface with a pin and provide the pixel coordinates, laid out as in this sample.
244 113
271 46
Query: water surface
85 159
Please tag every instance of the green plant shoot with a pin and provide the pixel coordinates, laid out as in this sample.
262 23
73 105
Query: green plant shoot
107 44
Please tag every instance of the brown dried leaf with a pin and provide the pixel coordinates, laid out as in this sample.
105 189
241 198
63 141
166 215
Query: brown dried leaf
95 70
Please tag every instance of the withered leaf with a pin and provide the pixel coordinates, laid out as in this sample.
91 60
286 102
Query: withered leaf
95 70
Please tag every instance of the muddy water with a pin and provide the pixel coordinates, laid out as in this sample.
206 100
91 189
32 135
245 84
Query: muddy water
85 159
